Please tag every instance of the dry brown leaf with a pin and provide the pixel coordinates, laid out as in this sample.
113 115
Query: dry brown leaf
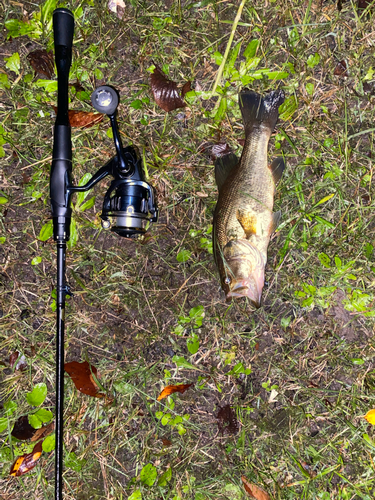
171 389
166 442
341 69
42 63
81 375
26 462
83 119
254 491
43 432
227 421
13 358
165 91
22 430
219 150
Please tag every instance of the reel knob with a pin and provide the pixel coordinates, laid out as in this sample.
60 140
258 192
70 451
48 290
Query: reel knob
105 99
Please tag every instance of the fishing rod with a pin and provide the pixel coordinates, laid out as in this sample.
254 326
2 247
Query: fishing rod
128 206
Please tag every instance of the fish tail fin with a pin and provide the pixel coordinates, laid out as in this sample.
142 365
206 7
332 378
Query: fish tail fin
257 110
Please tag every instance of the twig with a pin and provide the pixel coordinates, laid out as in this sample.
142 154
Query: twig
234 27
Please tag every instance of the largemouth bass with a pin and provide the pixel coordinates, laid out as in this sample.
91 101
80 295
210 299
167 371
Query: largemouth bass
244 219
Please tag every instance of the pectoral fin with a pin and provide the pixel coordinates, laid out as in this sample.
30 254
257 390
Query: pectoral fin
277 168
248 223
276 218
223 167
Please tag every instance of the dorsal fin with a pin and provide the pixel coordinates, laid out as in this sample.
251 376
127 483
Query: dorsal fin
223 166
277 168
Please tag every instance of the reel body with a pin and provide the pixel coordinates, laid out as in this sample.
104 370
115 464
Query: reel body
129 205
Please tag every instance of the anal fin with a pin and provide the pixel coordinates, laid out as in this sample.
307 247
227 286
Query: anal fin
276 219
277 168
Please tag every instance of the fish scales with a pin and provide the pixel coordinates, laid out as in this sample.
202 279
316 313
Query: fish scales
243 219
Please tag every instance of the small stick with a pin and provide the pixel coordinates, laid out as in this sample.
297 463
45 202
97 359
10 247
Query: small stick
225 57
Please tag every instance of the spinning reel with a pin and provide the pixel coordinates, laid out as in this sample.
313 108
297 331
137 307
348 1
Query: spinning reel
129 204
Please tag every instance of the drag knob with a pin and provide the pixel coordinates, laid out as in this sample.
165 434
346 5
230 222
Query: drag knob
105 100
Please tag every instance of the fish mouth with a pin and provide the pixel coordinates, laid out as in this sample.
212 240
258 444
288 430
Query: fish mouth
245 288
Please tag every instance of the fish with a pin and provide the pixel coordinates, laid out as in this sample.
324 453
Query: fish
244 219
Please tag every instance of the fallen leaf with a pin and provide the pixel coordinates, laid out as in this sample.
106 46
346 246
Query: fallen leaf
227 421
42 63
13 358
254 491
362 4
21 361
165 91
166 442
370 417
81 375
22 430
26 462
83 119
171 389
43 432
341 69
219 150
117 6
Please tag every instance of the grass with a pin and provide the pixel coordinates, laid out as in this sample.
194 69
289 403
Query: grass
312 340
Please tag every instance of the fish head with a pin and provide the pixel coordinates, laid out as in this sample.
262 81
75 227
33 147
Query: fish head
244 271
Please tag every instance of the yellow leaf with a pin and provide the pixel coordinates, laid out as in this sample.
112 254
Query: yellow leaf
370 417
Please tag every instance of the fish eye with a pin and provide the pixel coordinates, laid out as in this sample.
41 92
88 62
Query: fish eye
227 280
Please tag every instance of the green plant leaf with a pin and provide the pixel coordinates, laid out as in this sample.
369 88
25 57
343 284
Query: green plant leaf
87 205
182 363
46 232
4 81
3 200
73 234
40 417
310 88
48 85
72 462
193 343
49 443
165 477
251 49
36 261
221 110
324 259
13 62
313 60
136 495
3 424
183 255
148 474
46 10
10 407
37 395
81 196
288 108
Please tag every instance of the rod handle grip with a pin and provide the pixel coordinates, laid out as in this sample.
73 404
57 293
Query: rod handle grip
63 27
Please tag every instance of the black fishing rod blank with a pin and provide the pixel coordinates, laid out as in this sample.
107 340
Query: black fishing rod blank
128 207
